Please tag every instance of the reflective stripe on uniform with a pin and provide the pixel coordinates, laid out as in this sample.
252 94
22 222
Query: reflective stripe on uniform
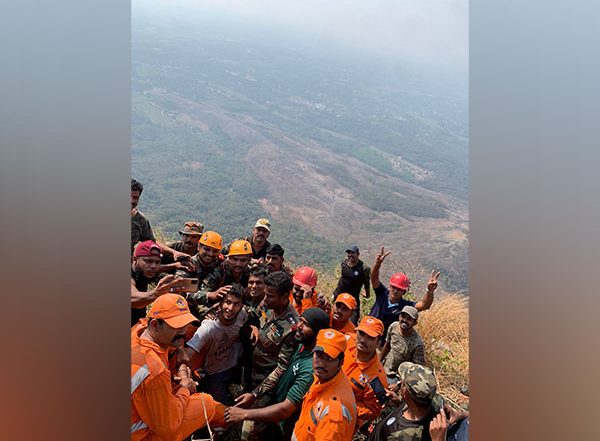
314 419
138 426
294 438
139 376
325 412
346 413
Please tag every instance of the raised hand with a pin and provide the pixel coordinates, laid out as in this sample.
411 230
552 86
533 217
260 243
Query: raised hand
381 256
432 283
217 295
438 427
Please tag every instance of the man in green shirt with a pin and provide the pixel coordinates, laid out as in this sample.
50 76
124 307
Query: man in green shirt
292 386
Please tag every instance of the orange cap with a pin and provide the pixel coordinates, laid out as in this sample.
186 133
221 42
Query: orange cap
331 342
346 299
173 309
371 326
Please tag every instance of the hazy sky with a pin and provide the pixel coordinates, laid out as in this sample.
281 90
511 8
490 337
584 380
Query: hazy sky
425 31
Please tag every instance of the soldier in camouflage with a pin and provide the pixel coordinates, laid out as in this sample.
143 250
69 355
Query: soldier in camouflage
190 234
419 414
275 261
204 262
275 346
234 269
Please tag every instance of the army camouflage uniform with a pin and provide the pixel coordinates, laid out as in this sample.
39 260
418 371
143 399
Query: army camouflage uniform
198 301
221 276
402 349
167 259
274 349
140 229
422 386
272 354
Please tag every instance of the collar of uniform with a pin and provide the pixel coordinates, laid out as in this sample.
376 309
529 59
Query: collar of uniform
364 365
320 387
147 343
303 352
286 311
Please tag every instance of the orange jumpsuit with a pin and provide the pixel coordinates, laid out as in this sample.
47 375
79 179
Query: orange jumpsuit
360 374
347 329
160 411
328 411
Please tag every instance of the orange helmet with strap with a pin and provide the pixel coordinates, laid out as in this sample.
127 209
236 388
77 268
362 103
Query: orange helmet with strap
211 239
240 248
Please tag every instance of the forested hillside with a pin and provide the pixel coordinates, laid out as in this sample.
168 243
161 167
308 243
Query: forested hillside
230 126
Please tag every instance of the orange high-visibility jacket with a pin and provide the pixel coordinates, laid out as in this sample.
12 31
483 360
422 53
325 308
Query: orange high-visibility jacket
328 411
348 328
360 375
158 411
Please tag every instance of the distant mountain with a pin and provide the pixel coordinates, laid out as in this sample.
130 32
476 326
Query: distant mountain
228 127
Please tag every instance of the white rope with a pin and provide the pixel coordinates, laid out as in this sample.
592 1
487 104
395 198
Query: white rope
210 433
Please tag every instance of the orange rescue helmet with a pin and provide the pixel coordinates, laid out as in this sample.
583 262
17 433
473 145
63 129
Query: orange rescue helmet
305 275
240 248
212 240
400 280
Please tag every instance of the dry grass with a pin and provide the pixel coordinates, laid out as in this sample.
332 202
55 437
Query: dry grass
445 331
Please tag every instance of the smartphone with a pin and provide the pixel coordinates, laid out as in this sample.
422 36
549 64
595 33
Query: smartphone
190 285
379 390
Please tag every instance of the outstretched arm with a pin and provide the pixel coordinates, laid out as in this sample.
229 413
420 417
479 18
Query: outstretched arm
140 299
270 414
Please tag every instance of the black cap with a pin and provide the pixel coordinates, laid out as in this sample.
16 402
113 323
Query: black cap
353 248
316 318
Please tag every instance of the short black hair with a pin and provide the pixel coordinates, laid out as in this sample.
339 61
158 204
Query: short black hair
136 186
236 290
275 249
281 281
258 271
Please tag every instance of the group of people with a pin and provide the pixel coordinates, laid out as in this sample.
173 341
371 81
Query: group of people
229 342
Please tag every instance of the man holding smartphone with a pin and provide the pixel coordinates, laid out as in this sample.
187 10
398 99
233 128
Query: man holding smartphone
365 372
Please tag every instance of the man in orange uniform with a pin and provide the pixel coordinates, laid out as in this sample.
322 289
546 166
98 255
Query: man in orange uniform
160 410
329 409
343 308
365 371
304 295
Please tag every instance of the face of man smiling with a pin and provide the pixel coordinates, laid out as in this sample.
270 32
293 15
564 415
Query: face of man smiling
406 322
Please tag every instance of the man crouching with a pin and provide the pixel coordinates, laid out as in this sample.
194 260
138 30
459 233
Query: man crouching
159 409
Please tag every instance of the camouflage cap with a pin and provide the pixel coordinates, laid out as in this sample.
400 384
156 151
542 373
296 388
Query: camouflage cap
419 380
192 228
